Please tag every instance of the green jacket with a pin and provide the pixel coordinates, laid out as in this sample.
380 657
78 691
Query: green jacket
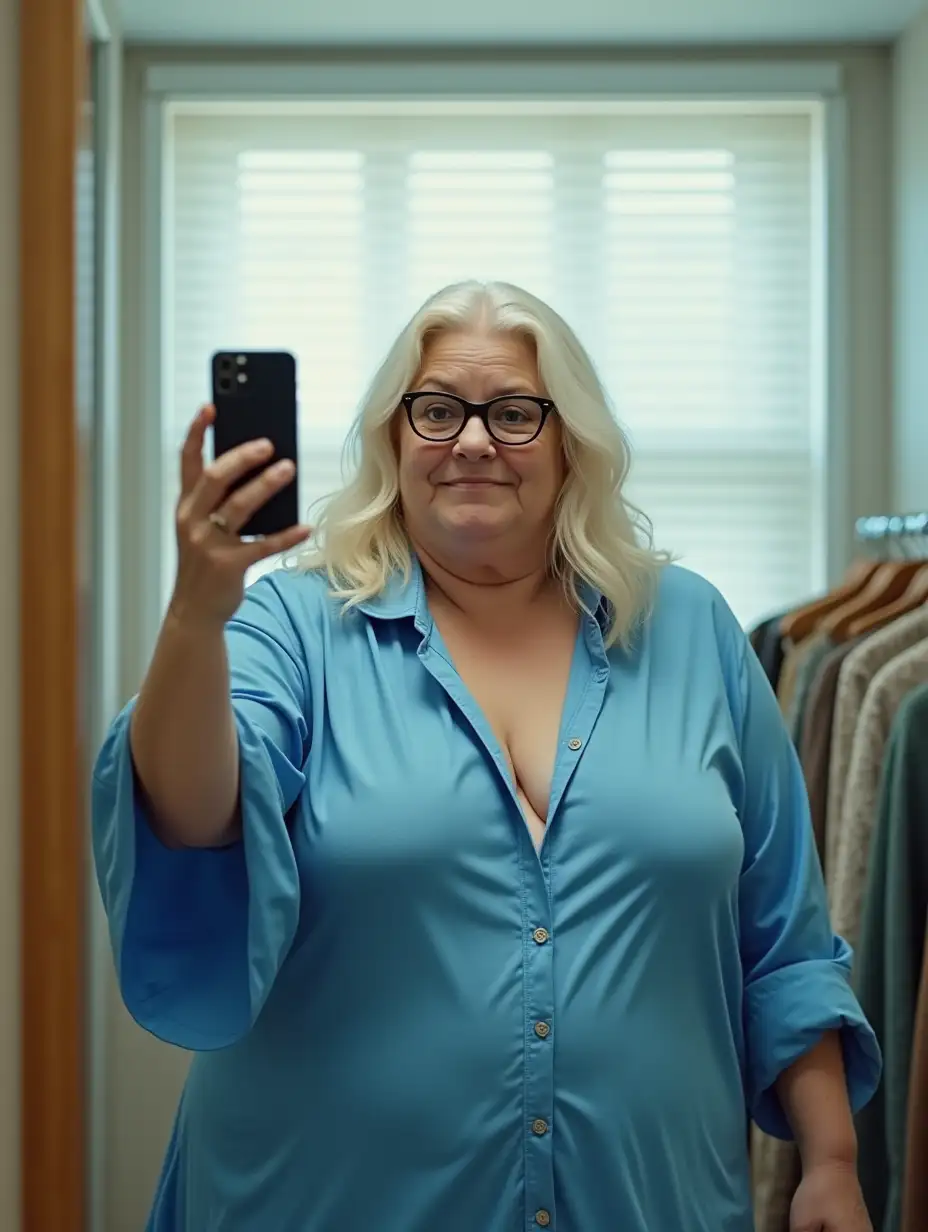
889 959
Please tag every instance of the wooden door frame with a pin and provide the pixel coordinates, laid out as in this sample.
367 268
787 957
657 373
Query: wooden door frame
52 791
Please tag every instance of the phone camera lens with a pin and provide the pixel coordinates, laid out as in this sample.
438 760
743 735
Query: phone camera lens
224 384
225 363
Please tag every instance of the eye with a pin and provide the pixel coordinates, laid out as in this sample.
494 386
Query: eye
513 414
440 412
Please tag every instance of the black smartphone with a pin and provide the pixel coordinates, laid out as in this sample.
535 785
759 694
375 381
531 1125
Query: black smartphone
254 393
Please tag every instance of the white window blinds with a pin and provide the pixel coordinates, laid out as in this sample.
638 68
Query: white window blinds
681 243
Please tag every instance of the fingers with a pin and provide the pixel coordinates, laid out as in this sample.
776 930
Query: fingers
216 478
247 499
191 456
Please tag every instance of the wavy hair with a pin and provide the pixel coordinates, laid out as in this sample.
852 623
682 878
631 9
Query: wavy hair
359 538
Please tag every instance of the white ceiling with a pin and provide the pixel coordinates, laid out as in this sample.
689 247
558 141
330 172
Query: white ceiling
515 22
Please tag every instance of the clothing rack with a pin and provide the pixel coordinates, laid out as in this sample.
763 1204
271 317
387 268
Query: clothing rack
892 526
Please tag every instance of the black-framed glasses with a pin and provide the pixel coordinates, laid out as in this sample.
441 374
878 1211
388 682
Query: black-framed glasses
510 419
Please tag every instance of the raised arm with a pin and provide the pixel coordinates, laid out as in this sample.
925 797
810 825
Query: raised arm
183 734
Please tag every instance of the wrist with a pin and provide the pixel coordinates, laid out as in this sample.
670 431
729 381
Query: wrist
184 620
839 1153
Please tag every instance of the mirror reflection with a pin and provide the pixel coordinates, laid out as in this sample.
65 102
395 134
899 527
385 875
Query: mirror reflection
504 576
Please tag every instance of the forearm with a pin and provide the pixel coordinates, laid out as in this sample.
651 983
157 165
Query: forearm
184 740
813 1092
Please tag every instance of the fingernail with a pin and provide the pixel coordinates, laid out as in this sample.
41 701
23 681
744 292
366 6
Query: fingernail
284 467
263 446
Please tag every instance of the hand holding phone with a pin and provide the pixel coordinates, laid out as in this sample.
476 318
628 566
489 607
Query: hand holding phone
212 558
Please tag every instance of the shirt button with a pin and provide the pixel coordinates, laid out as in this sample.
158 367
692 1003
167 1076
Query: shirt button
542 1030
542 1218
539 1127
541 935
574 743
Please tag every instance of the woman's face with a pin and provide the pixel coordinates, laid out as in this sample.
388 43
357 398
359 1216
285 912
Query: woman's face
474 494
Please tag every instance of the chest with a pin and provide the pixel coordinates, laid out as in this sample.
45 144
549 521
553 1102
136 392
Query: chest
519 684
413 775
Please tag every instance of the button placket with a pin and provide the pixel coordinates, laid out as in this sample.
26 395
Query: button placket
539 1057
538 947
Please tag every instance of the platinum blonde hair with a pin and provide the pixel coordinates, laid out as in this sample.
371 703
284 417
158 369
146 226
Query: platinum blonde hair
359 538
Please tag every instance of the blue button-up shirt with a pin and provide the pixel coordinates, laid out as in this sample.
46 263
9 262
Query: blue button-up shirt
408 1018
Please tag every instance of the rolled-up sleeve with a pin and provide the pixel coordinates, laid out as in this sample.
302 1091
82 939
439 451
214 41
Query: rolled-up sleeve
198 936
796 970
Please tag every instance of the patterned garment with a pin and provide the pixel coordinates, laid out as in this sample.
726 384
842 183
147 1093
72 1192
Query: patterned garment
815 740
889 688
857 672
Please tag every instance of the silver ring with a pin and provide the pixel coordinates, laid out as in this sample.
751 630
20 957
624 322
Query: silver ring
216 519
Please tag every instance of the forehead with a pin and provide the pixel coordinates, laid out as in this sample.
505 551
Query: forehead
453 351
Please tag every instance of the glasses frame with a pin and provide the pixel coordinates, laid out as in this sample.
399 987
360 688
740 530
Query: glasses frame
482 412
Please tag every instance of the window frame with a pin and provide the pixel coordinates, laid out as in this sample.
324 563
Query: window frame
735 83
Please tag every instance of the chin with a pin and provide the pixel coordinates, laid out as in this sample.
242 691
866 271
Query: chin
476 524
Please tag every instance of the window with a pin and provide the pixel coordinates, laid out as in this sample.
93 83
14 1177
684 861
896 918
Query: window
681 242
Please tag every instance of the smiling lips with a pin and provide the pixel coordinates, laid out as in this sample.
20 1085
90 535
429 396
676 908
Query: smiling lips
472 483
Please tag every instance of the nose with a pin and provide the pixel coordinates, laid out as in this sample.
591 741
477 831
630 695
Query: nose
474 442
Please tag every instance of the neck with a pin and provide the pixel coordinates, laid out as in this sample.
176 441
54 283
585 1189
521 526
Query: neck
486 590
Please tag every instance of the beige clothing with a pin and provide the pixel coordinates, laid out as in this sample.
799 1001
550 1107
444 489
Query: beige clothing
907 671
815 740
857 671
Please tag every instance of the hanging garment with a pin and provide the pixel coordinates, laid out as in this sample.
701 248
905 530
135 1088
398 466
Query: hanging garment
887 691
857 671
801 622
890 955
815 738
776 1171
776 1165
793 656
767 641
813 652
915 1183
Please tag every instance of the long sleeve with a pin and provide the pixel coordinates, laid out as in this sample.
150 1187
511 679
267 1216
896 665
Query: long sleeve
199 935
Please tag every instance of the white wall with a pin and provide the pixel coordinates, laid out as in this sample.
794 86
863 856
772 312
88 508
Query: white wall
910 260
9 637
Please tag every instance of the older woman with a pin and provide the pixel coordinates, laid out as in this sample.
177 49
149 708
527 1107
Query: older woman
470 856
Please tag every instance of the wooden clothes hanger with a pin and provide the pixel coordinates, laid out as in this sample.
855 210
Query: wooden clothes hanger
914 596
895 587
805 620
889 583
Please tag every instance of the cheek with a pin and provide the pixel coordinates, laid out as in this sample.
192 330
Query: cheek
415 469
540 477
